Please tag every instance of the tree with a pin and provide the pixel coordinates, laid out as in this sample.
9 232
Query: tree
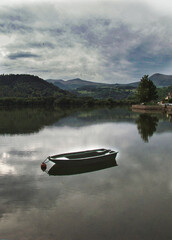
146 90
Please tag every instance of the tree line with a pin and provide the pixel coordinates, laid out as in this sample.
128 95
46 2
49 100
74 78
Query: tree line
28 90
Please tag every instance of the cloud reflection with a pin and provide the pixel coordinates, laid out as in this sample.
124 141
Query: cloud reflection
107 204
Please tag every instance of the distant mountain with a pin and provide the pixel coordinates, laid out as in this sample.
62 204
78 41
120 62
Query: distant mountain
25 85
96 90
160 80
115 91
73 83
78 83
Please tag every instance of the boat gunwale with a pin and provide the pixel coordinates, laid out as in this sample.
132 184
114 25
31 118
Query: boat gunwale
56 158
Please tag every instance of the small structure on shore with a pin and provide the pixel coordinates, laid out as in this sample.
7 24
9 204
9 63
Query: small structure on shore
169 96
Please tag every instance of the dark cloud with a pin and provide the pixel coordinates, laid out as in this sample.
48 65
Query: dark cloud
14 56
12 27
146 59
118 43
41 45
14 20
55 31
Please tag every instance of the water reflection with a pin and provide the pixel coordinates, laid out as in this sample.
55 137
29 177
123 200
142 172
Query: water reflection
169 116
29 120
33 120
132 201
146 125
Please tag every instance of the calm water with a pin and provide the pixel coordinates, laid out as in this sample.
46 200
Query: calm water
130 201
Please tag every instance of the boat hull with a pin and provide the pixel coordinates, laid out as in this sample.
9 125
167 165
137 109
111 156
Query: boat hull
79 162
59 169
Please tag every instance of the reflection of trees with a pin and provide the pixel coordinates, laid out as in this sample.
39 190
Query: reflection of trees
146 125
29 120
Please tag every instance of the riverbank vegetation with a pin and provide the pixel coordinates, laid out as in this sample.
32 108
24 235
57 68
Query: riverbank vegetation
62 102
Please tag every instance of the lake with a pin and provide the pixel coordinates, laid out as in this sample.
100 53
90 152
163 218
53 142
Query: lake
130 201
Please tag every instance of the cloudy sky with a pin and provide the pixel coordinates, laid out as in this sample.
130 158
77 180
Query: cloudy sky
105 41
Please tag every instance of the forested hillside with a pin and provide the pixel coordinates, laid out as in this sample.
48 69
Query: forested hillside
104 92
24 85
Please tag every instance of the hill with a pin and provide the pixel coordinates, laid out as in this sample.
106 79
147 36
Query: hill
96 90
25 86
78 83
103 90
73 83
29 90
161 80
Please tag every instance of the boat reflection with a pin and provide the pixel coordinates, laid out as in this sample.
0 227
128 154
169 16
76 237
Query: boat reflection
65 169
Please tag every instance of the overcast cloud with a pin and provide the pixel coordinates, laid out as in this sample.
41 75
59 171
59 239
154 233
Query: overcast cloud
104 41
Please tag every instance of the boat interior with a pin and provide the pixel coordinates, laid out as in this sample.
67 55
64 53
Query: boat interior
83 154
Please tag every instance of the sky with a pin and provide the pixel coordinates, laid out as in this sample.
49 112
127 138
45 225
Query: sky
112 41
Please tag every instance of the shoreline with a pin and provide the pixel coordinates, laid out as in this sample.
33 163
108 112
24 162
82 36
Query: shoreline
152 108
